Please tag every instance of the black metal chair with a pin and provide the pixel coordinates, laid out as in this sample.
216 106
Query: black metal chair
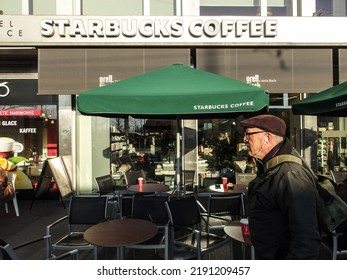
189 179
336 241
8 252
131 177
187 232
188 183
152 208
84 211
339 243
107 187
222 208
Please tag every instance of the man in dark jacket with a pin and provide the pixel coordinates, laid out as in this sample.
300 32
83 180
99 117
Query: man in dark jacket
281 200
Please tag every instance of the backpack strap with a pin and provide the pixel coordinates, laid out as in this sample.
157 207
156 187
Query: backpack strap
279 159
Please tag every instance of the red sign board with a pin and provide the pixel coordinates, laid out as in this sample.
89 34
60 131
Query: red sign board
20 113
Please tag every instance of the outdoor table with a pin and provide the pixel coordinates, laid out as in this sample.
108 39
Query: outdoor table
119 233
233 229
236 189
150 188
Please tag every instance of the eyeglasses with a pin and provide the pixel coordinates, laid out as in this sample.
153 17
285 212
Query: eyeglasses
247 134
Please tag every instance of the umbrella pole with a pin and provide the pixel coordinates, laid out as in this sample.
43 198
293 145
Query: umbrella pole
178 157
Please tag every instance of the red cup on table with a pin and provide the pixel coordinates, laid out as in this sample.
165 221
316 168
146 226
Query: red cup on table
244 226
140 183
225 182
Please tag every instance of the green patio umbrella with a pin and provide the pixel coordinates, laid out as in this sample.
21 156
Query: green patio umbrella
329 102
176 91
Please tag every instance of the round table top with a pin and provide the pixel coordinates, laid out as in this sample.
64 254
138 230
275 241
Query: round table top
234 189
150 187
120 232
233 229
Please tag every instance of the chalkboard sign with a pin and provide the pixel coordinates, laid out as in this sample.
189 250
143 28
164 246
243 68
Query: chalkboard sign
60 176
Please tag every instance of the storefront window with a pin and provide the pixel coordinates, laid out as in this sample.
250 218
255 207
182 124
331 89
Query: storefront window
29 119
143 144
244 8
332 153
11 7
121 8
162 7
222 151
112 8
35 127
331 8
43 7
35 7
150 145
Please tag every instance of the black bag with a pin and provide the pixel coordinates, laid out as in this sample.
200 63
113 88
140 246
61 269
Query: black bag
331 209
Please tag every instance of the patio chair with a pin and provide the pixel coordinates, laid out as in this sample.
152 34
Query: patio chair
188 239
188 186
7 252
131 177
84 211
107 187
222 208
336 240
152 208
189 179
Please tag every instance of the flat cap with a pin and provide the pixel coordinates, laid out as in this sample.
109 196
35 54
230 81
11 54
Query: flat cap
268 123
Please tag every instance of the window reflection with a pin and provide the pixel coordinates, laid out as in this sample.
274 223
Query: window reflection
332 152
150 145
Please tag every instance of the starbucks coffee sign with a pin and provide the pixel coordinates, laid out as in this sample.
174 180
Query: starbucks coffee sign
170 31
157 28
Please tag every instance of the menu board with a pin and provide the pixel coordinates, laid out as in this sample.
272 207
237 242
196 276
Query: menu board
60 176
67 160
44 182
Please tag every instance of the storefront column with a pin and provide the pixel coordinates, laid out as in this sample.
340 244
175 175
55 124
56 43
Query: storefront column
92 151
309 141
66 133
189 145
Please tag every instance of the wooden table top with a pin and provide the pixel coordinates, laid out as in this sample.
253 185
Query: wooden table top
150 187
120 232
233 229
